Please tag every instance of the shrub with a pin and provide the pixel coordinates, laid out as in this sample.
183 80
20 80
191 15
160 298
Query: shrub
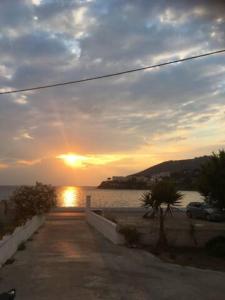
111 218
33 200
211 182
21 247
131 235
10 261
216 246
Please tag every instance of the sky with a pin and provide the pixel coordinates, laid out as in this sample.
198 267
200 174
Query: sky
82 134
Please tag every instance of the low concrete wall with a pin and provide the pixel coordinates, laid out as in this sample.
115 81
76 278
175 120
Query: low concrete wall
110 229
9 243
177 237
105 227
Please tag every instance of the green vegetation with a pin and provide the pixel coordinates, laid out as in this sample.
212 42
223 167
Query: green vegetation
21 247
216 246
163 193
131 235
131 184
149 203
32 200
211 183
7 229
10 261
111 218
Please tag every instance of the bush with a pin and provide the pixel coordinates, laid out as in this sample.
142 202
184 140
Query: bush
33 200
211 182
111 218
21 247
131 235
216 246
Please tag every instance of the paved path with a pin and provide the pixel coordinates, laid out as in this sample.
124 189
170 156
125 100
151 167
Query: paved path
69 260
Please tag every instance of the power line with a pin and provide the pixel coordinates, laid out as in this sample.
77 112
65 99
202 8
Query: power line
111 74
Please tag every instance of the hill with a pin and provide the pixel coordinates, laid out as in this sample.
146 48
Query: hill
173 166
183 172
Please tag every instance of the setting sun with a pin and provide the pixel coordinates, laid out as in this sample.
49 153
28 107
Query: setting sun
72 160
78 161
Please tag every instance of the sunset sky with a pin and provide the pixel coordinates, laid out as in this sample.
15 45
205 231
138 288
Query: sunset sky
82 134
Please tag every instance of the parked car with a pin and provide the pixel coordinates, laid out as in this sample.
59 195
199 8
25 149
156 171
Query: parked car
201 210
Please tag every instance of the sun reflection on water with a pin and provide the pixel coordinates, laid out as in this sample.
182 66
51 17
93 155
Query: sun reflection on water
70 196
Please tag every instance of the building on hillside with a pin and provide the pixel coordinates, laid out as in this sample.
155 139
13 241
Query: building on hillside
119 178
160 176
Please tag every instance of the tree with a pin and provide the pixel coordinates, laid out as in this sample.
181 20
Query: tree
33 200
149 202
211 182
163 193
171 195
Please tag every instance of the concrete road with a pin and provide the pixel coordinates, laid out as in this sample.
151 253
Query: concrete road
69 260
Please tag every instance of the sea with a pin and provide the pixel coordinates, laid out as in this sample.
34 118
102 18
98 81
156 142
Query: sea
75 196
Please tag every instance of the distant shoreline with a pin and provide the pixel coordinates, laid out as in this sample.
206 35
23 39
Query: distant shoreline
139 189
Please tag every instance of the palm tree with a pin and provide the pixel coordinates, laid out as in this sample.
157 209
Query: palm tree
148 201
163 192
171 195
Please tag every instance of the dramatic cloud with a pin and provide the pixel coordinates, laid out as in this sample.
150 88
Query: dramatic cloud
139 119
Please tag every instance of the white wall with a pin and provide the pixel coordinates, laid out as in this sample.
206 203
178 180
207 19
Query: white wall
10 243
148 235
105 227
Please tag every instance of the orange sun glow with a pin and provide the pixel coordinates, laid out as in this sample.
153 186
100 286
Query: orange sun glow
72 160
80 161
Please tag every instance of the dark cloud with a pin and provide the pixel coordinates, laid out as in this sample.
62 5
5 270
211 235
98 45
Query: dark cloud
14 14
66 40
211 9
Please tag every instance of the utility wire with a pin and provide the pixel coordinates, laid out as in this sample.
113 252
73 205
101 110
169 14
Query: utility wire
111 74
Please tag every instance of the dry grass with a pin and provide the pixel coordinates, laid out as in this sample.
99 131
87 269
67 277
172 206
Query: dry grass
177 219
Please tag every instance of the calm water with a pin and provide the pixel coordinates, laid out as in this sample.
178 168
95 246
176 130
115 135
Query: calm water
75 196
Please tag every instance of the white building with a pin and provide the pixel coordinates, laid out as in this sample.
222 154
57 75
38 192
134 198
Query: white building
160 176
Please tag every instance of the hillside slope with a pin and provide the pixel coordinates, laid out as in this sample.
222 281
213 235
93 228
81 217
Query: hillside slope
183 172
174 166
